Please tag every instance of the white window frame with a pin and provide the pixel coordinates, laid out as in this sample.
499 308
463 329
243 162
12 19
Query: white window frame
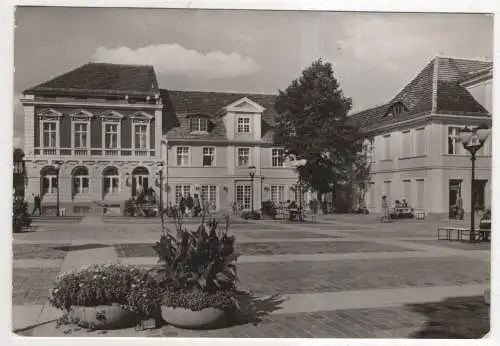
42 134
118 134
246 191
211 192
407 143
183 164
111 178
279 192
420 150
424 193
277 155
74 134
136 124
195 125
249 163
212 155
51 179
50 116
80 178
184 191
243 125
454 135
387 148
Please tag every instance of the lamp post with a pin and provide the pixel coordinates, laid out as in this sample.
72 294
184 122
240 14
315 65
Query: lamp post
473 140
57 166
160 174
252 175
164 142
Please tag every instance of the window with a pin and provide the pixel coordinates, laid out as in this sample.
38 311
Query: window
277 157
182 156
110 136
387 147
244 196
453 144
111 181
141 136
420 203
80 181
199 125
277 193
244 125
243 157
407 191
420 143
49 134
80 135
208 157
407 144
181 191
209 193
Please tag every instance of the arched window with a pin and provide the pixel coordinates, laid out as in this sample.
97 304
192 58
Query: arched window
80 180
110 181
48 180
140 180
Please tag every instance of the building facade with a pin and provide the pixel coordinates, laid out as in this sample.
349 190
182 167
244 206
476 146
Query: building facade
413 139
96 133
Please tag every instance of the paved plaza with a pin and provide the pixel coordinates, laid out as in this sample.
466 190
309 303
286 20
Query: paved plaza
345 276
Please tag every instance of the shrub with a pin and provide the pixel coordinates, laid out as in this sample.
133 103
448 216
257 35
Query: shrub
95 285
197 300
20 216
251 215
198 260
269 209
145 296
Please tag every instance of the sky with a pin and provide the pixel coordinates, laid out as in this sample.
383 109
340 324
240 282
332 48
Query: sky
374 55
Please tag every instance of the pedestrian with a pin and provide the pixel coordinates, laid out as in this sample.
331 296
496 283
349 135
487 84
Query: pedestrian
206 209
384 210
182 205
189 203
313 205
38 206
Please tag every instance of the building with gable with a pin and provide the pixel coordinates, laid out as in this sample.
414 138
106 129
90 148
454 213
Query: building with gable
412 139
111 127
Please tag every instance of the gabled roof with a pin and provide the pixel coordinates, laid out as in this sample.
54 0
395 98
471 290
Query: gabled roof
436 89
102 78
182 105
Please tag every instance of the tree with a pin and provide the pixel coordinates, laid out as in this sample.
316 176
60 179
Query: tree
312 125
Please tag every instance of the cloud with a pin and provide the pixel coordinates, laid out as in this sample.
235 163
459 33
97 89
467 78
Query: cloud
174 59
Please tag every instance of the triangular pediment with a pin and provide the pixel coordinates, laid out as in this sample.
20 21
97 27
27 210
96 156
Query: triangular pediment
141 115
245 105
111 114
49 113
81 114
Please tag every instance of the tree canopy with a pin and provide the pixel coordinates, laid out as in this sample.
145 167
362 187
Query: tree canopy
312 125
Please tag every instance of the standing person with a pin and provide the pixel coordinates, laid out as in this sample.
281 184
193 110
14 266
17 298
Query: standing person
197 206
384 210
189 203
313 205
38 206
206 208
182 205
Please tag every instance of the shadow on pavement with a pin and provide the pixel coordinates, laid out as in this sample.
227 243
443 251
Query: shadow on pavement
80 247
453 318
254 309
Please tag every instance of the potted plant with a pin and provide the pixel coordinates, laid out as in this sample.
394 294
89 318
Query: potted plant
96 297
198 275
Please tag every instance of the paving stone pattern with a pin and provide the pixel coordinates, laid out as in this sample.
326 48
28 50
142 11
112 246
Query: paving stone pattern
334 276
31 286
40 251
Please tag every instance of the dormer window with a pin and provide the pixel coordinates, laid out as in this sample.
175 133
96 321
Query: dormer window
199 125
396 109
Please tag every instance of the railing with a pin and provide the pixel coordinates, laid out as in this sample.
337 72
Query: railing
93 152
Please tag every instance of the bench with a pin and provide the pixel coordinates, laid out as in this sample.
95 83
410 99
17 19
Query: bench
420 215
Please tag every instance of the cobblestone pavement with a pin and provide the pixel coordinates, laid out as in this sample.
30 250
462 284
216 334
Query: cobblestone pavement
467 317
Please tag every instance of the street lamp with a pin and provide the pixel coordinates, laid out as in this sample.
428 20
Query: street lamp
164 142
160 174
297 164
473 140
57 166
252 175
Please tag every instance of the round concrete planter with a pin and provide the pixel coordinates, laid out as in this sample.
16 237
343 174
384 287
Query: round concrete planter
188 319
103 317
487 295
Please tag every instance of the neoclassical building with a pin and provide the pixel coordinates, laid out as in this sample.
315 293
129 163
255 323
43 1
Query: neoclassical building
413 138
97 132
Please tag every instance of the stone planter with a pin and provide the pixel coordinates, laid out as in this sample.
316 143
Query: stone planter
103 317
487 295
188 319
